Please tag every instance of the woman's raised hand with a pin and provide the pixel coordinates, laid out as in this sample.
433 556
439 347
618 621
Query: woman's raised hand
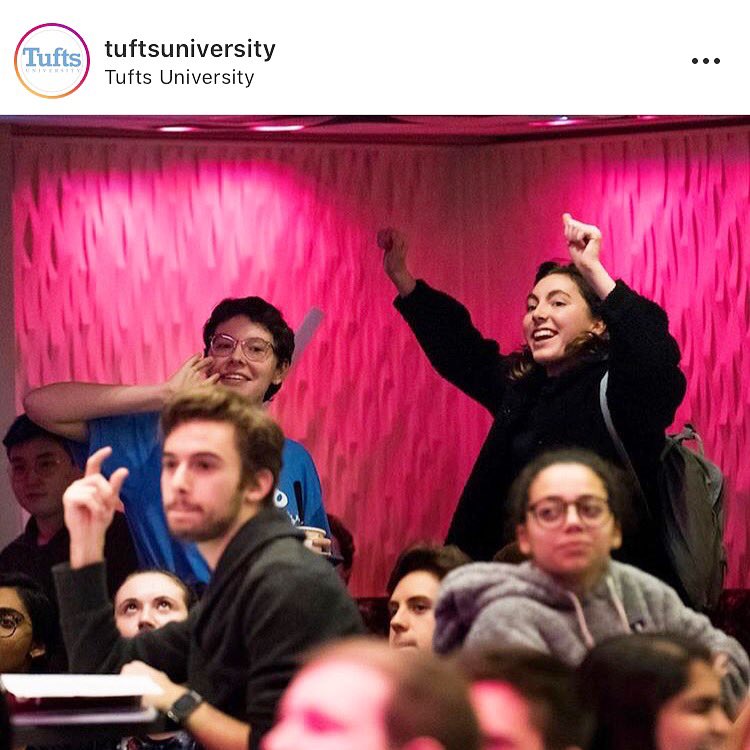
584 245
393 244
584 242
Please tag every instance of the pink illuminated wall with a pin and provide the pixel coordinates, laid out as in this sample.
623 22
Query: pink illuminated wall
122 248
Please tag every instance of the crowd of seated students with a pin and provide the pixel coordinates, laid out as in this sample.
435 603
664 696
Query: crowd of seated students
558 647
511 637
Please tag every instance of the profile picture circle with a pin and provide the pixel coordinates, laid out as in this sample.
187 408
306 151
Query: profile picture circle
52 60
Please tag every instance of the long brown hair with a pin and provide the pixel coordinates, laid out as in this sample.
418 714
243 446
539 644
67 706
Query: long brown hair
587 345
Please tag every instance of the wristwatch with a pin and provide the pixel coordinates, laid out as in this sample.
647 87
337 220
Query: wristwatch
184 706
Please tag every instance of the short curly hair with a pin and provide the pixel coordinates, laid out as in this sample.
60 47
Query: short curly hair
263 313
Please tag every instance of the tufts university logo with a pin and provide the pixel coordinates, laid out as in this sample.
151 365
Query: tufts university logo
52 60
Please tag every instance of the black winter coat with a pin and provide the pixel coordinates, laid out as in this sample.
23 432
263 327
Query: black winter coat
538 412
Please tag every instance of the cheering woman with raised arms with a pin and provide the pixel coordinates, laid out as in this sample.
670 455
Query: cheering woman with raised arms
578 325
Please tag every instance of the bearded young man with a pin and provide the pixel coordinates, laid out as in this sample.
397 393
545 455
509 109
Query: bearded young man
223 669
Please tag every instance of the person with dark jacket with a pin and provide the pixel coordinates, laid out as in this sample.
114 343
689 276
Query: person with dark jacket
579 324
222 671
41 466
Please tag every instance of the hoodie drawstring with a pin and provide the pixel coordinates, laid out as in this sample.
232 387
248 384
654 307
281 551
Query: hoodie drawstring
585 632
616 602
618 605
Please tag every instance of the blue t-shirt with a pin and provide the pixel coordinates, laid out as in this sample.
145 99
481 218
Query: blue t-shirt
136 445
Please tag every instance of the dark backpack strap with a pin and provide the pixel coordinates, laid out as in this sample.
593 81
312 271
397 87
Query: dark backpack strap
622 452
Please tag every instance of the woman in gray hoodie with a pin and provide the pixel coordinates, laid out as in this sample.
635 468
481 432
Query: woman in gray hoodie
569 507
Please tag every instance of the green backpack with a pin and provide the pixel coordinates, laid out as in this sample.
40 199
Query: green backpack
692 498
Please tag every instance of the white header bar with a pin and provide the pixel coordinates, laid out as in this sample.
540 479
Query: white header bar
393 56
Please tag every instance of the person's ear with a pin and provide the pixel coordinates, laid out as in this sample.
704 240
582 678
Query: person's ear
281 373
616 537
37 650
599 327
522 537
260 485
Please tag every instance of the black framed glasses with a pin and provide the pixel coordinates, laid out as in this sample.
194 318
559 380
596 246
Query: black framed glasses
44 466
255 349
10 620
551 512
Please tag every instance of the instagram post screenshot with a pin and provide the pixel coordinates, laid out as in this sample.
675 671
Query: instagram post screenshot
374 376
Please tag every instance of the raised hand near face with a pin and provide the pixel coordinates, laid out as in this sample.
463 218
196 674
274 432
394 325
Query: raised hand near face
194 371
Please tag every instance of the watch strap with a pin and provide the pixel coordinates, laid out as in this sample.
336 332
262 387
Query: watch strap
179 711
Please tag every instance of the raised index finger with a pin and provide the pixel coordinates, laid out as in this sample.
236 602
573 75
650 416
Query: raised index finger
95 461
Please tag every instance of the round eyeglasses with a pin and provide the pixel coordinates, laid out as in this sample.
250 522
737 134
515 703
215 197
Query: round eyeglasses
254 349
10 619
551 513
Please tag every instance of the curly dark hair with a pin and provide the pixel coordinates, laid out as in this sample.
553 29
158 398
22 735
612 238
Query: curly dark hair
262 313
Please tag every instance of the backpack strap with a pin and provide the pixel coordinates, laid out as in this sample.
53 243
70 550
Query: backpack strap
604 406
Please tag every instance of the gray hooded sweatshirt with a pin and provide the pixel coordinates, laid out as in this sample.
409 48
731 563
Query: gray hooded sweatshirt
497 605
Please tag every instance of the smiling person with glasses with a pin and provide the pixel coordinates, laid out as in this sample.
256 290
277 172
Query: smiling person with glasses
569 507
247 347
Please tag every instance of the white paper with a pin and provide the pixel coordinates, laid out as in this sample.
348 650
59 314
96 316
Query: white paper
28 686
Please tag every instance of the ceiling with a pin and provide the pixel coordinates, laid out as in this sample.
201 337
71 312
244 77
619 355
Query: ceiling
458 129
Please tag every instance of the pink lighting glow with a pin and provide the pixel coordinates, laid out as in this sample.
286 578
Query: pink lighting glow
122 246
277 128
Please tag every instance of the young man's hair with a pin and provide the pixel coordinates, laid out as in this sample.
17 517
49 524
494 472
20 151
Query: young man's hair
23 429
189 594
262 313
259 440
549 687
628 679
433 558
429 695
616 482
42 612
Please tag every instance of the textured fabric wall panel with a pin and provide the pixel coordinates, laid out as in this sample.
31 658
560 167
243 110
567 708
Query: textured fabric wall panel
122 248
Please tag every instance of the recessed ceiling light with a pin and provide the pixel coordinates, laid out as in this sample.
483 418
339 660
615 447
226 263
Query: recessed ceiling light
177 129
555 122
562 121
277 128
